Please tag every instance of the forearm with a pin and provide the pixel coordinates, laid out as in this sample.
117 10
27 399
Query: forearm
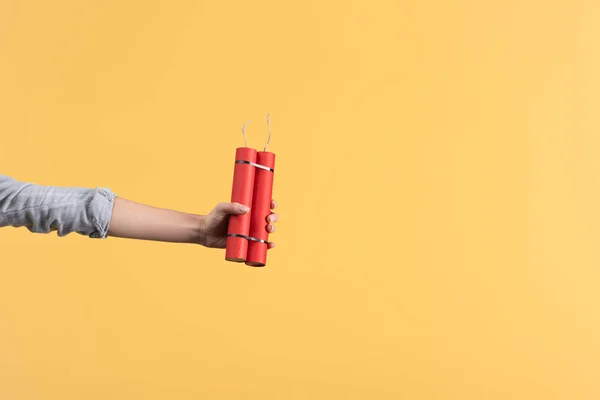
138 221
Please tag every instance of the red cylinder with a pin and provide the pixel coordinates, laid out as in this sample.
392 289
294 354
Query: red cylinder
261 208
241 192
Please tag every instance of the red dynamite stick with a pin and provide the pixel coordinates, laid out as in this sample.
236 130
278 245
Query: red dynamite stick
261 208
241 192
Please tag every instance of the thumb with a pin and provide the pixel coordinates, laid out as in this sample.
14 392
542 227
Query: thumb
231 208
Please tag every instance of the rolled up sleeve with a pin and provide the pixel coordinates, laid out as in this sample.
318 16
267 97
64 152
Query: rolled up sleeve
43 209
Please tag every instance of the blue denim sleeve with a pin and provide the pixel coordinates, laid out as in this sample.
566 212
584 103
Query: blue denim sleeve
43 209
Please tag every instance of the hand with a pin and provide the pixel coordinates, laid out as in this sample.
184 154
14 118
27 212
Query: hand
214 232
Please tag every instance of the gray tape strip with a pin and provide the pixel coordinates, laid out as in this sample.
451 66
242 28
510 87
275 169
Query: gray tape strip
254 165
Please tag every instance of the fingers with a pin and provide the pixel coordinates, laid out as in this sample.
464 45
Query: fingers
237 208
271 219
231 208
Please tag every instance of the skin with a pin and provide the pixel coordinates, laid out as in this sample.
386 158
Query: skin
139 221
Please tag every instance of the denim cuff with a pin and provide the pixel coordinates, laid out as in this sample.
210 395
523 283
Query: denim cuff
101 209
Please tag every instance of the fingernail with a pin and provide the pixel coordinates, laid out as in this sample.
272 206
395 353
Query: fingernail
244 209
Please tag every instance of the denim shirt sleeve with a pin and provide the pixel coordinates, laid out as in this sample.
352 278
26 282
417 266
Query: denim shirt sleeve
43 209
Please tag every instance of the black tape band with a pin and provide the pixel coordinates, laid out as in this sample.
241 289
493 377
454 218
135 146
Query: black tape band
248 237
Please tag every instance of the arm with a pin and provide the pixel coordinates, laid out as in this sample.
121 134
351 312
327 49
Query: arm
99 213
138 221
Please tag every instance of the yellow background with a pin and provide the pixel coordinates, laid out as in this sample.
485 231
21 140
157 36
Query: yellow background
437 177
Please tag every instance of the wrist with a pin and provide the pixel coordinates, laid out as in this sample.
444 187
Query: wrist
199 235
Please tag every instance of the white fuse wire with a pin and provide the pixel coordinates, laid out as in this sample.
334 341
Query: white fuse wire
269 126
244 132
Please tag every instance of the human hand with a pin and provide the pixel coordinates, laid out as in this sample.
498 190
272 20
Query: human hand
215 224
